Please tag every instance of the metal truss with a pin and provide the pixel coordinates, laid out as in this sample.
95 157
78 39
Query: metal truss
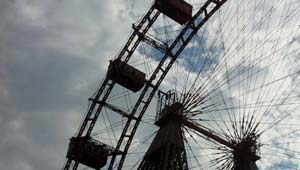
107 85
172 52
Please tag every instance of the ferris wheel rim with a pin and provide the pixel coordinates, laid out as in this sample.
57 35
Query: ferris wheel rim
230 120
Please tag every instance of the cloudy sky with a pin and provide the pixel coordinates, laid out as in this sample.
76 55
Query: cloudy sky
52 56
54 53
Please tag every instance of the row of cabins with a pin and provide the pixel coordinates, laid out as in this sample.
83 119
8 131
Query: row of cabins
92 153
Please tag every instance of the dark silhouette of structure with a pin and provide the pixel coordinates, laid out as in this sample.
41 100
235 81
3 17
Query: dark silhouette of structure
167 151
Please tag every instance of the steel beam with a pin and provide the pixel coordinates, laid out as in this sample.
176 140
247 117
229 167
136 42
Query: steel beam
107 86
203 14
208 133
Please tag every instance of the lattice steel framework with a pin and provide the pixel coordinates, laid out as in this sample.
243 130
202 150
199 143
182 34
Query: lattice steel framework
167 151
172 52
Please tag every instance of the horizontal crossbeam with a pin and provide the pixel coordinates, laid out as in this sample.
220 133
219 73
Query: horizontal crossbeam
211 135
208 133
174 50
114 108
150 41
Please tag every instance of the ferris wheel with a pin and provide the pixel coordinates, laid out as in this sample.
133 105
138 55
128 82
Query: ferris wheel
200 84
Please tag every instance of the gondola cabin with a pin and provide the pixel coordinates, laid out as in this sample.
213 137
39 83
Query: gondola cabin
126 75
178 10
88 152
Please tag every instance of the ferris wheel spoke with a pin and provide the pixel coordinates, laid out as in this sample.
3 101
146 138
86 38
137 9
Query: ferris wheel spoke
236 78
194 157
259 46
277 108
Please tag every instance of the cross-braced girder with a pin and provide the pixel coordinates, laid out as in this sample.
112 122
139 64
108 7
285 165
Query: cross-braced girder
172 52
105 89
178 45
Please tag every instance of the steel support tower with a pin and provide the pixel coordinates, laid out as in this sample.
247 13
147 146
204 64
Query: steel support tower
167 151
134 116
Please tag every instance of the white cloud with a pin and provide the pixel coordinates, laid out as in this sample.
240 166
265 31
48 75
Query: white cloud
53 53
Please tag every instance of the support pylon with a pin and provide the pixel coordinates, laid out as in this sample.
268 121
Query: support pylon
167 151
245 153
245 164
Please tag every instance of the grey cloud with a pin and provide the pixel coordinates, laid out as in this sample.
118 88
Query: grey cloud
52 56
